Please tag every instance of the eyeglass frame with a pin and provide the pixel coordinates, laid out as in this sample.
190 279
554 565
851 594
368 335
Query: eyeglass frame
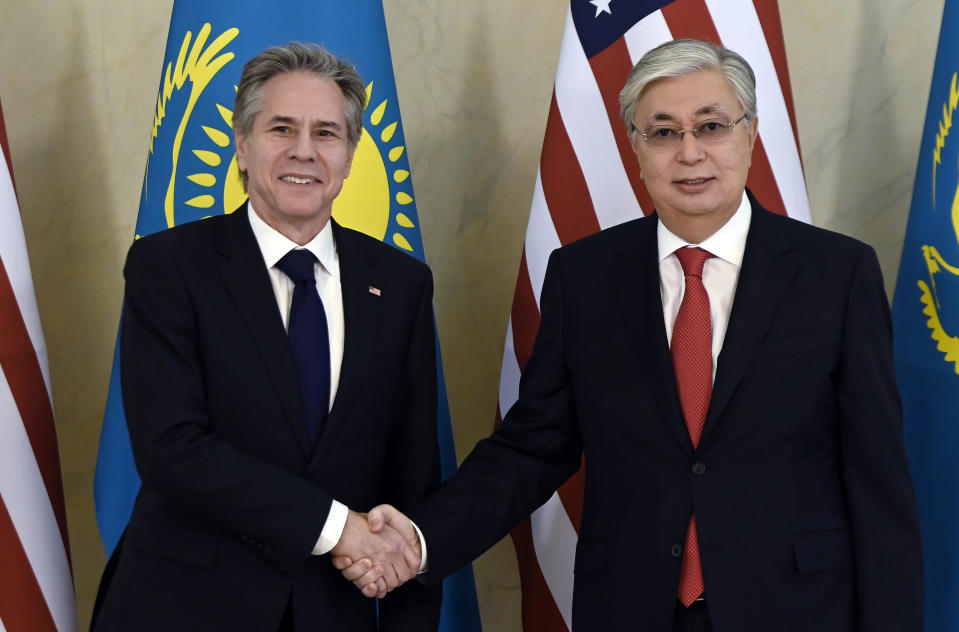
682 130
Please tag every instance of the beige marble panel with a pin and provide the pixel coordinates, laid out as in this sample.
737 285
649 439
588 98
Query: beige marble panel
78 83
860 71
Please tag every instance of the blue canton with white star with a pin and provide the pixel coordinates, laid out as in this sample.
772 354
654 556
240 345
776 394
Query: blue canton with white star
598 28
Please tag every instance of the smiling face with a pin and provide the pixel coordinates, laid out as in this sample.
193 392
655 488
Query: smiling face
696 186
296 155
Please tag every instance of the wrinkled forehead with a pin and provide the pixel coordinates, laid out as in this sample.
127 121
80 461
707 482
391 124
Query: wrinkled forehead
702 94
712 110
301 97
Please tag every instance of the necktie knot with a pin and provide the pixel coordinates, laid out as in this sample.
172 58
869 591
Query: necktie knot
298 265
692 260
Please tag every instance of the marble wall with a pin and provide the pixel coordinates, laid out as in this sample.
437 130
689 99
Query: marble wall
78 82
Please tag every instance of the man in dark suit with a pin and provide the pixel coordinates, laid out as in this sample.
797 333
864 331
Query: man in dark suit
266 354
728 374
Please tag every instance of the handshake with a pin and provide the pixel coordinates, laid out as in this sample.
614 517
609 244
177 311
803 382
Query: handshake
378 551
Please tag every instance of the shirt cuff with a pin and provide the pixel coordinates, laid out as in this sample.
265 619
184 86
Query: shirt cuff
423 559
333 529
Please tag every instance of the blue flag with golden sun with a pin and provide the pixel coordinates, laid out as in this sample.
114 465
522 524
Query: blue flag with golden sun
192 173
926 321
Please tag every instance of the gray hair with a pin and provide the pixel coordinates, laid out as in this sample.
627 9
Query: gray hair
293 57
682 57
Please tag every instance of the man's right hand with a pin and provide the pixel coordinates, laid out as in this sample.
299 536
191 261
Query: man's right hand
376 575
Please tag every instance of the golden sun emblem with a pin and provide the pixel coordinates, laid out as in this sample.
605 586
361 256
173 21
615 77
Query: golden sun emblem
232 194
365 202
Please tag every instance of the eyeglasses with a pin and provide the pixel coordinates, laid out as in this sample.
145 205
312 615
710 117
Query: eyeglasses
712 132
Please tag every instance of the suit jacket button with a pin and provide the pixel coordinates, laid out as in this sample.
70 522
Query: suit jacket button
676 550
699 468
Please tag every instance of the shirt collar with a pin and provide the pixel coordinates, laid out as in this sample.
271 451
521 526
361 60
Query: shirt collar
728 243
274 245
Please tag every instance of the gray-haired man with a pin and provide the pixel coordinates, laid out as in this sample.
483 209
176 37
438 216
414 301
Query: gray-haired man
259 368
728 374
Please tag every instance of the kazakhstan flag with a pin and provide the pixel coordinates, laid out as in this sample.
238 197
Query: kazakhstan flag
192 173
926 321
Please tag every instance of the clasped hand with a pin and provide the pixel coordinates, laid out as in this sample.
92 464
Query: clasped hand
378 551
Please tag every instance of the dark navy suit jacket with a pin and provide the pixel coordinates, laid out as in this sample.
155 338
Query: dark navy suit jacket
233 501
805 510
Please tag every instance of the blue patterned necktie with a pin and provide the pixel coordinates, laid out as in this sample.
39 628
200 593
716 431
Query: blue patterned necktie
309 339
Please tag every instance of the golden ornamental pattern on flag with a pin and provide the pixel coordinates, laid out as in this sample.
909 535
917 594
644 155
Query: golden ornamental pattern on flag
925 316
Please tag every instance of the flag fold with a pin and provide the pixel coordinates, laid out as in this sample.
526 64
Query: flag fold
36 582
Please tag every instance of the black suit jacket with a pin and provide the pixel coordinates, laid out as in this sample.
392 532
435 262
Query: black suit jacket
233 501
804 506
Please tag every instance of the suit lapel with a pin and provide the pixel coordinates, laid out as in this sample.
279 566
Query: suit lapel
361 310
248 282
769 266
636 284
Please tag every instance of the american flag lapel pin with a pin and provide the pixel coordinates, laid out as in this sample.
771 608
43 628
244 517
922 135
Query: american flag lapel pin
375 291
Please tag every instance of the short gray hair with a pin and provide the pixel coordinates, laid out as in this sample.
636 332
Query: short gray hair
293 57
682 57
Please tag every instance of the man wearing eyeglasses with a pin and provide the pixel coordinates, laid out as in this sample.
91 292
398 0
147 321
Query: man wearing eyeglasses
728 374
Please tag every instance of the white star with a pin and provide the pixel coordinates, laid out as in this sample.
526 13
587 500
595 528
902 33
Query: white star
602 6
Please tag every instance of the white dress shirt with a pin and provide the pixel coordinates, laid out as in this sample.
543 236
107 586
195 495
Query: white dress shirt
274 246
720 273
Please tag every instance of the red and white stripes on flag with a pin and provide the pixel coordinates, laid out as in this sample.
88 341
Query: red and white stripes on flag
589 180
36 584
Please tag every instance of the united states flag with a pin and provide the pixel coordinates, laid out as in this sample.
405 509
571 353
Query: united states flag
589 180
36 586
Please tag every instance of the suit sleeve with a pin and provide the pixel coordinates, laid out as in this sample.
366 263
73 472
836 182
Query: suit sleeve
178 453
514 471
412 468
882 503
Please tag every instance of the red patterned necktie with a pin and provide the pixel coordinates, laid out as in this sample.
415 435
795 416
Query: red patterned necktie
691 349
